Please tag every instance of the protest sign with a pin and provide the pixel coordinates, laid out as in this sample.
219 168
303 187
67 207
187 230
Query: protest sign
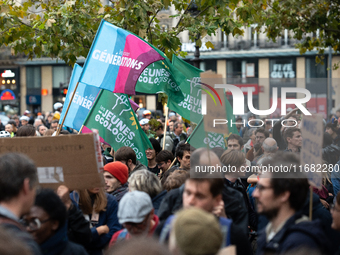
311 150
117 124
71 160
116 59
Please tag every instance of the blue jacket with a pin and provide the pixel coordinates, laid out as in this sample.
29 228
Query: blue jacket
107 217
292 236
156 201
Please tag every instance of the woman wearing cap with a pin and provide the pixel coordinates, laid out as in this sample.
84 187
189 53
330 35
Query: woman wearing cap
101 211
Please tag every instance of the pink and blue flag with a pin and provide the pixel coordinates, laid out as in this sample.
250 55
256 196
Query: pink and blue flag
116 59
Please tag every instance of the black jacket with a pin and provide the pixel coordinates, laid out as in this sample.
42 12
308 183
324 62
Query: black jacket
293 236
170 204
331 154
277 135
58 244
157 200
252 215
235 207
78 229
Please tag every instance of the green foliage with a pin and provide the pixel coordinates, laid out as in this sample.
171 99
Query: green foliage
65 29
300 18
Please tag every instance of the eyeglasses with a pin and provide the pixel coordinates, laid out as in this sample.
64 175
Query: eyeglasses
160 164
332 208
33 224
262 188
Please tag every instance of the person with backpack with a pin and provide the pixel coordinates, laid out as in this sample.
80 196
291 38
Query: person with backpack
136 214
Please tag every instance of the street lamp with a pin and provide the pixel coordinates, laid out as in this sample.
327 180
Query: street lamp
193 10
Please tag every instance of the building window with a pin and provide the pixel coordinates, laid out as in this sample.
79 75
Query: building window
61 76
237 72
208 64
316 84
33 80
244 74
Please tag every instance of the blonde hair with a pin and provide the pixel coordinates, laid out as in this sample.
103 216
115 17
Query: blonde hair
144 180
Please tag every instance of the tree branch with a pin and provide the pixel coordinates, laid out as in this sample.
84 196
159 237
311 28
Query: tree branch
148 30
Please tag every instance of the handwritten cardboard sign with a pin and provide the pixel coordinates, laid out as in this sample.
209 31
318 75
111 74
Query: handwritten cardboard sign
311 151
72 160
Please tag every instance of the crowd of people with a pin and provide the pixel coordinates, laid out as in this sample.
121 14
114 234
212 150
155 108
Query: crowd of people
165 207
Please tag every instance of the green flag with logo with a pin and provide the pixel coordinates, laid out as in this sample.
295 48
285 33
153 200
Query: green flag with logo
199 138
190 107
114 118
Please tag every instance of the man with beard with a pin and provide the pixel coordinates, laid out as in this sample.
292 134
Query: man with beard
136 214
281 200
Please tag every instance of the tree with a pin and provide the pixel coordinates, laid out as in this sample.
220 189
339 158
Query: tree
65 29
300 17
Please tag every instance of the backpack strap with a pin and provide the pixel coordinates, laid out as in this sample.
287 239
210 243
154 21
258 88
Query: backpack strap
122 235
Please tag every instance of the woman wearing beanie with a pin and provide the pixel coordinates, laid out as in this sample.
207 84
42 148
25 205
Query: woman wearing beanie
116 175
100 209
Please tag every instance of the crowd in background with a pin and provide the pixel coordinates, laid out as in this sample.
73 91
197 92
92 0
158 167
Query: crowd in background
163 208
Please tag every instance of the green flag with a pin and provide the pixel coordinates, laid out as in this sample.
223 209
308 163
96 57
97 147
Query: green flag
190 107
199 138
161 76
114 118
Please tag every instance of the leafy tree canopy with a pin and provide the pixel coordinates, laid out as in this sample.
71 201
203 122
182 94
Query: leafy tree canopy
301 18
65 29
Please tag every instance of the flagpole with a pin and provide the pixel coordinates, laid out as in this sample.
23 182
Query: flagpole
165 125
188 139
94 103
80 129
68 107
